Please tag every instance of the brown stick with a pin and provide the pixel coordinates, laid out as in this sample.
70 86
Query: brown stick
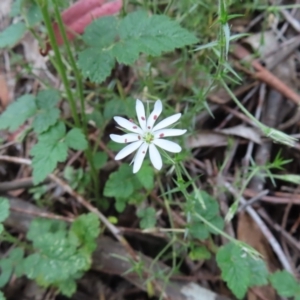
266 76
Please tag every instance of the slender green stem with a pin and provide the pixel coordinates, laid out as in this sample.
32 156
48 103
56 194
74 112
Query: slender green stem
62 72
60 66
7 237
77 74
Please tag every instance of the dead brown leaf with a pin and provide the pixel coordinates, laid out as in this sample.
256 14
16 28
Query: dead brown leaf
4 92
243 131
207 139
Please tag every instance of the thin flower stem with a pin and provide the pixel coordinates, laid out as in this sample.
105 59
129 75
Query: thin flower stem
79 86
77 74
60 66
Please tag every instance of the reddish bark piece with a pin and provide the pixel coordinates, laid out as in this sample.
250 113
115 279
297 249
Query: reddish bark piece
78 9
78 16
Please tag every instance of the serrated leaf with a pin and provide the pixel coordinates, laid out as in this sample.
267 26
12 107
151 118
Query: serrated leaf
120 183
12 34
47 99
75 139
24 108
86 228
234 267
45 119
58 258
49 150
49 268
4 209
284 283
148 217
95 65
153 35
47 114
258 271
40 227
146 177
101 33
136 33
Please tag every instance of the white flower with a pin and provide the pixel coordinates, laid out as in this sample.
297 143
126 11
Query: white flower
147 136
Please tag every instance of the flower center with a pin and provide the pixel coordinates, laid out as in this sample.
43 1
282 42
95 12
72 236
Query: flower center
148 137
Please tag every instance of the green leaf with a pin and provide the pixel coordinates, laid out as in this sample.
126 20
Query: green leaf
90 60
16 256
258 271
67 287
1 228
146 177
49 150
101 33
47 99
120 184
58 257
13 263
47 114
148 217
120 204
153 35
33 14
2 296
203 205
86 228
99 159
199 253
24 108
43 226
6 271
124 40
96 117
117 107
284 283
45 119
12 34
234 266
198 230
4 209
75 139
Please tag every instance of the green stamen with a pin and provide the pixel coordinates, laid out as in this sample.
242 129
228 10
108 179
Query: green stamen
148 137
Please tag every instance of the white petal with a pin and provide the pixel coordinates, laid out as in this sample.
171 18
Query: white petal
128 125
139 157
155 114
167 145
155 157
128 149
168 132
125 138
140 112
167 121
